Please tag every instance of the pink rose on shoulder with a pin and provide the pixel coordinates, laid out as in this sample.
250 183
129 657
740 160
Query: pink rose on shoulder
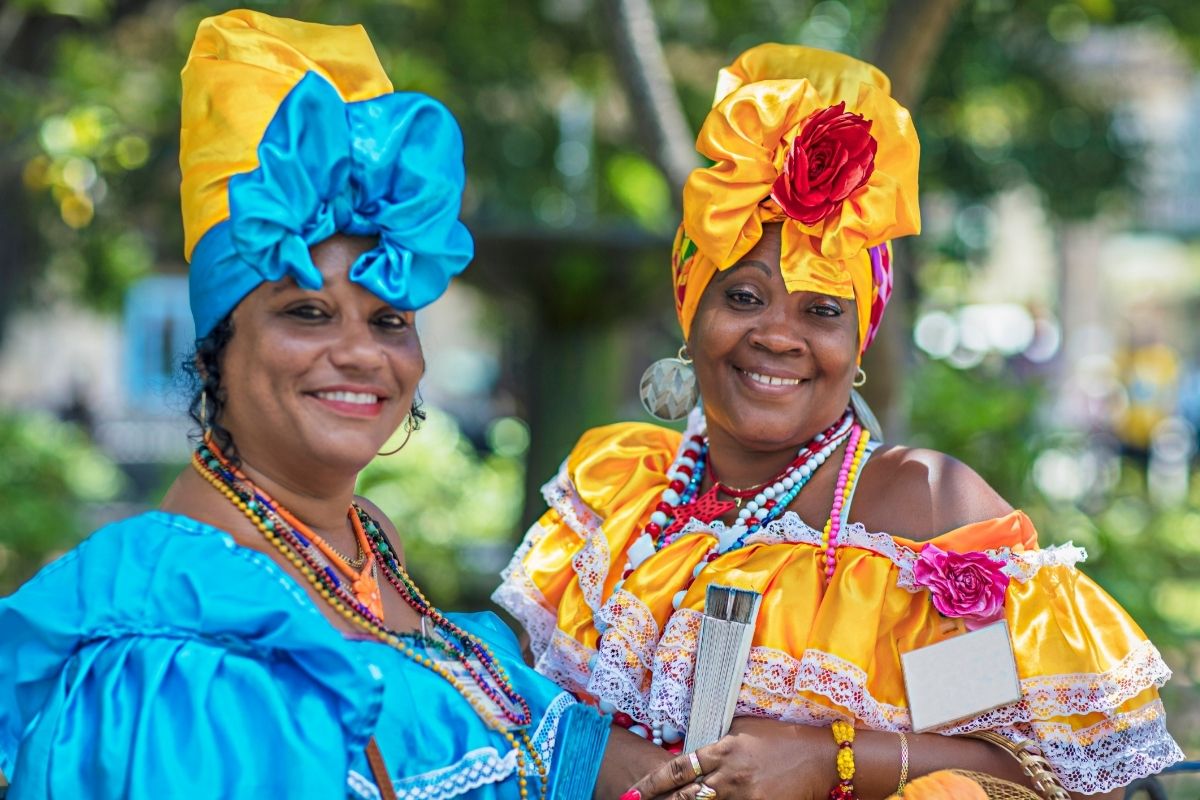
967 585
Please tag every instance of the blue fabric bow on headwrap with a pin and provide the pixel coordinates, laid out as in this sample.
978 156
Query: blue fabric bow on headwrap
390 166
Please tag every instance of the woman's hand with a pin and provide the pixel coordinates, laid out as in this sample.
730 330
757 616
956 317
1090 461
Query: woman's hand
759 759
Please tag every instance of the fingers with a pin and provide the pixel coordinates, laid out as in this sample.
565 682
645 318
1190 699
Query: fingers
697 790
676 778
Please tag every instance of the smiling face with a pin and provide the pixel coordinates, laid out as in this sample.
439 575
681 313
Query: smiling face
774 367
318 380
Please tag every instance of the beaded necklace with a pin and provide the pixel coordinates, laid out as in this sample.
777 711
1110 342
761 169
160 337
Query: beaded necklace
679 502
847 477
274 523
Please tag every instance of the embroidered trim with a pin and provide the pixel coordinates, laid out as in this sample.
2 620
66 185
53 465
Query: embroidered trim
592 561
519 595
360 785
567 662
1112 753
1046 697
561 495
790 529
477 767
650 677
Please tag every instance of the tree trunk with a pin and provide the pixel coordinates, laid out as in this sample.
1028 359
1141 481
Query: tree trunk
654 102
911 38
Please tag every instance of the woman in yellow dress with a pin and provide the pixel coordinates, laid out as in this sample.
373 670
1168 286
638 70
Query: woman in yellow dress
862 551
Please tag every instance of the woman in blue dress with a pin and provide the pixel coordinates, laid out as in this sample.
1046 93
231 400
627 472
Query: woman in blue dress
258 636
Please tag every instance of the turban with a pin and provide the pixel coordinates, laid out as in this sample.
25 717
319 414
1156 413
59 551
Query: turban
291 133
813 140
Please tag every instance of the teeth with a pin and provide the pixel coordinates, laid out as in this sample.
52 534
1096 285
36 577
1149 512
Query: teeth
773 381
360 398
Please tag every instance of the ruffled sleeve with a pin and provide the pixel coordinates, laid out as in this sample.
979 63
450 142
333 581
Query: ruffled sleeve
823 650
136 666
570 559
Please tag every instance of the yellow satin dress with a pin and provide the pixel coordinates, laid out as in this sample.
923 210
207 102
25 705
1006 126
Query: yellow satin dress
1089 676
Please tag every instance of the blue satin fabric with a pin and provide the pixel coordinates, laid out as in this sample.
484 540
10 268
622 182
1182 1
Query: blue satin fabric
161 659
390 167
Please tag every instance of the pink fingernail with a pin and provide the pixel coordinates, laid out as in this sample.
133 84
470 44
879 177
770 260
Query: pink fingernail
632 794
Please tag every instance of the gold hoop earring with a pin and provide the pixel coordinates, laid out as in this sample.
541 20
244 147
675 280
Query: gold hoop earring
409 427
860 378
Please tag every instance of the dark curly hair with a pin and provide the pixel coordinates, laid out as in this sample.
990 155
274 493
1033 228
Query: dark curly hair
208 396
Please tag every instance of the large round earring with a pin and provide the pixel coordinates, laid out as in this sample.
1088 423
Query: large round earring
860 378
668 389
409 427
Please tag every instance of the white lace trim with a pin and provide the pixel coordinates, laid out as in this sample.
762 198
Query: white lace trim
790 529
1114 752
519 595
592 561
476 768
561 495
567 662
650 677
360 785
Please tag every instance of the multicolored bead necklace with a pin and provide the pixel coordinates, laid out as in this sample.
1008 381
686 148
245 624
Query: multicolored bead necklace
773 500
295 543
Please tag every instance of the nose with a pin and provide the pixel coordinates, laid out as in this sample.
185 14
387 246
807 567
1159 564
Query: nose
778 332
354 348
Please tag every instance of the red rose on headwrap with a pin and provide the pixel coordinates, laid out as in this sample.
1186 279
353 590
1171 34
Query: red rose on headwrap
831 159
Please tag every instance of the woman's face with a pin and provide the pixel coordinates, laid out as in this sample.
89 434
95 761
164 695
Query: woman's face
319 378
774 368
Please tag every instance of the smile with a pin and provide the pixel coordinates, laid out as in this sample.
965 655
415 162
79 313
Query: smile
769 380
355 398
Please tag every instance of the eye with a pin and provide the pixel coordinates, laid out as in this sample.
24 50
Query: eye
391 320
826 309
742 297
307 312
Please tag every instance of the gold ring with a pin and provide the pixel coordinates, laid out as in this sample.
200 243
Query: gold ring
695 760
706 792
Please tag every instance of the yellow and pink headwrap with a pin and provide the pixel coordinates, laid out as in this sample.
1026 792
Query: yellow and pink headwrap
812 139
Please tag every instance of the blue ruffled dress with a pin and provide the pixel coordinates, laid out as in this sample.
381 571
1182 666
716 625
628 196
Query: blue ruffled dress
161 659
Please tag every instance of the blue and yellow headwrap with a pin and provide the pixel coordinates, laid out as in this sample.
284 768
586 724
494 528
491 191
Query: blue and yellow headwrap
291 133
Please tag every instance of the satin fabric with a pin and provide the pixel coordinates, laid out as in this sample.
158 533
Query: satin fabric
762 102
291 133
161 659
849 633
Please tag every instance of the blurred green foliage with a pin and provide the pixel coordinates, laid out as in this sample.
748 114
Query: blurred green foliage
49 472
89 91
454 506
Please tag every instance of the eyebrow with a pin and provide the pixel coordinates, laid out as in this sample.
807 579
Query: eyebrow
283 285
748 262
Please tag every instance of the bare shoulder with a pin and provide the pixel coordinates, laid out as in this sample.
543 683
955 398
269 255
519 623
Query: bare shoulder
919 494
385 523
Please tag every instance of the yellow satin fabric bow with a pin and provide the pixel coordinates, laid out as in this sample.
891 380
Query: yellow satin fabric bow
763 101
241 67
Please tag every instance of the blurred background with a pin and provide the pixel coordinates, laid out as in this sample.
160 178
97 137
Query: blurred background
1043 328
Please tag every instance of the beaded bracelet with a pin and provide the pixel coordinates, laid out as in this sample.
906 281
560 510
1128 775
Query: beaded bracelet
843 734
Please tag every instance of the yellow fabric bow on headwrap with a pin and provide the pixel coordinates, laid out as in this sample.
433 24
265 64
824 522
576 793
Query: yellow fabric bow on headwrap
814 140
